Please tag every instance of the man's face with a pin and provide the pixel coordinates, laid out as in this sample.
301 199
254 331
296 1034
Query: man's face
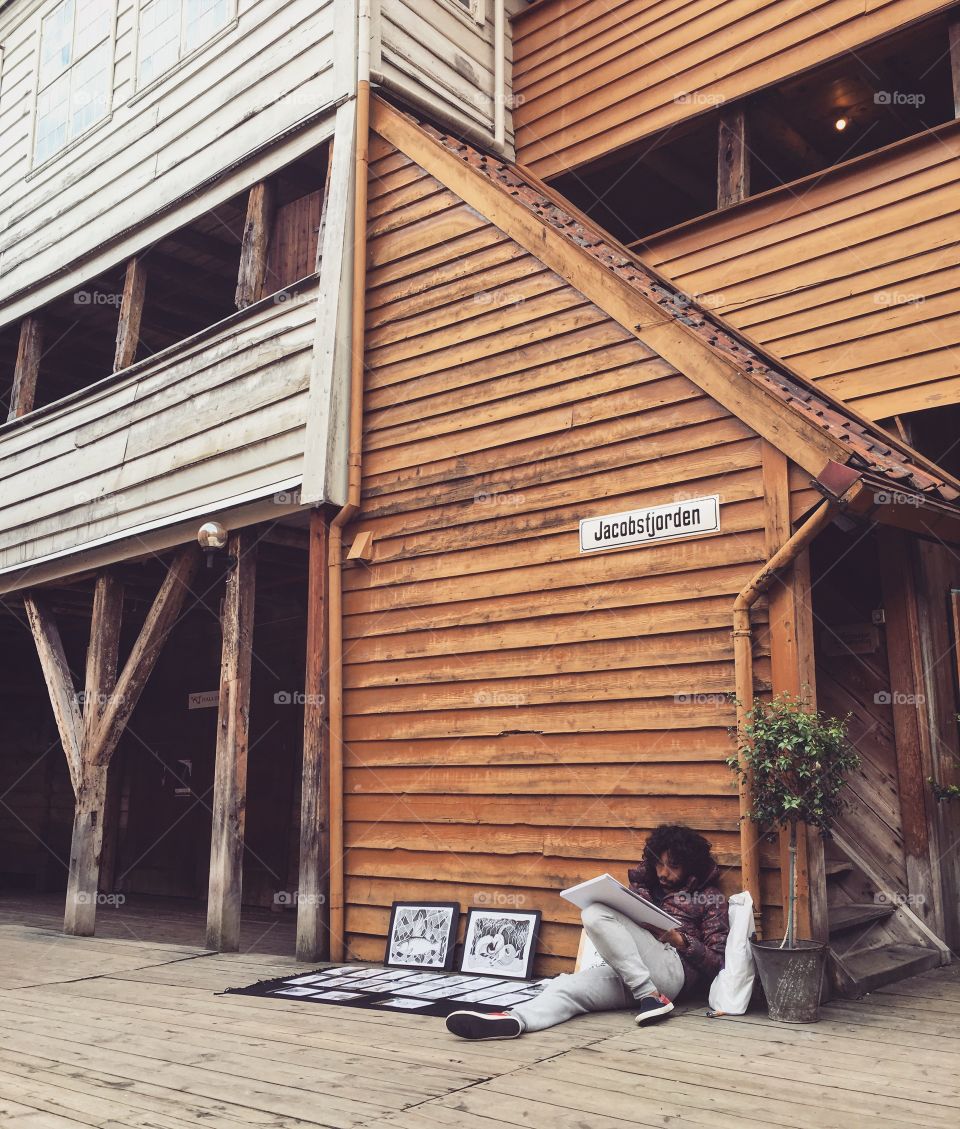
669 874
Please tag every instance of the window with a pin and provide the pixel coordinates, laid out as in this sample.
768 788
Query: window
473 8
171 29
76 72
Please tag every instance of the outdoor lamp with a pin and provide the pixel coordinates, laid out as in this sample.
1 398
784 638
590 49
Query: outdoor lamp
212 537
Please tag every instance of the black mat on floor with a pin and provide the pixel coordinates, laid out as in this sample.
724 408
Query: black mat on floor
409 991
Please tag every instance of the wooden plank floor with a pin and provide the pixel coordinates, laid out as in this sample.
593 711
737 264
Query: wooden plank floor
115 1032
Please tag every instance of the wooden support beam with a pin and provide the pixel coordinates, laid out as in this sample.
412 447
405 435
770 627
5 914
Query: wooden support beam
60 686
953 32
233 730
312 925
733 158
131 314
92 850
103 651
29 351
159 623
256 243
86 847
90 737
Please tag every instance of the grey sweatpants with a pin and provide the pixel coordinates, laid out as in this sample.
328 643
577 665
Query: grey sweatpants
637 965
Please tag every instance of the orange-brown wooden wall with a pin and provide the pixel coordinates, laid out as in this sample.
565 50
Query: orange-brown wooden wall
518 714
851 276
590 76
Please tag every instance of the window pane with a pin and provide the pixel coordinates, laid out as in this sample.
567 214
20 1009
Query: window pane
204 17
52 113
56 38
159 38
93 24
90 89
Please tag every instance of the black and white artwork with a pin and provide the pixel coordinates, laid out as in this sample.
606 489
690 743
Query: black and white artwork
500 943
422 935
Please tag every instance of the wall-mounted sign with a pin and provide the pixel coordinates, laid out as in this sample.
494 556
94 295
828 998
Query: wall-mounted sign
203 699
688 518
851 639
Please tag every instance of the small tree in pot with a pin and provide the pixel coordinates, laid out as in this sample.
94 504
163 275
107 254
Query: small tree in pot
797 761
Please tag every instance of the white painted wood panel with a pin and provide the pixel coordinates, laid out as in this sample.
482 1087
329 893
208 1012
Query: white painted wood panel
219 416
444 57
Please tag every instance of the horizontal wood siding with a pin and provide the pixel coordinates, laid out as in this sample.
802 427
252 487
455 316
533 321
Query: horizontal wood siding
445 57
253 83
591 76
518 714
851 278
205 422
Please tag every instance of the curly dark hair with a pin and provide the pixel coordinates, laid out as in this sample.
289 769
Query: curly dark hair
687 848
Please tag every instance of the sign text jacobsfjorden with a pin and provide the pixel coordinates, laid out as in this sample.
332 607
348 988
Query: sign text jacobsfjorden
655 523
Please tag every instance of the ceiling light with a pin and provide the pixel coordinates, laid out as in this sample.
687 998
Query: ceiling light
840 124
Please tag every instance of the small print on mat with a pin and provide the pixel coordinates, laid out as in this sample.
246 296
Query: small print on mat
336 996
405 1004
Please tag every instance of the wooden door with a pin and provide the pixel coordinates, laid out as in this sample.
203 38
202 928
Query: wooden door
853 678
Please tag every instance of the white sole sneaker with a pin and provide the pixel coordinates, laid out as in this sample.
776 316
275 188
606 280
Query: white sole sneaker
664 1007
484 1025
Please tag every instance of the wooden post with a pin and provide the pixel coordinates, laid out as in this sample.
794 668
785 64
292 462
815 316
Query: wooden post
733 158
793 671
131 314
101 679
953 32
29 351
233 729
312 932
86 846
256 243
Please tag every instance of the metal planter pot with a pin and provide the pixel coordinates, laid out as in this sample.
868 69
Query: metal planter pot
792 979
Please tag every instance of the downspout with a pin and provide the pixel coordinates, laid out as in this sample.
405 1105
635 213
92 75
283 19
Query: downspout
743 681
499 91
352 505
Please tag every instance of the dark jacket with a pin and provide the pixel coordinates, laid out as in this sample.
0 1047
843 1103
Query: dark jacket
701 910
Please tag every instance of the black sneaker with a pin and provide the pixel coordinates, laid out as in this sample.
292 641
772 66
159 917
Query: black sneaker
652 1007
484 1025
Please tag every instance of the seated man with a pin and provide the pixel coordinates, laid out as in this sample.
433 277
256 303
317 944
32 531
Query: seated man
645 968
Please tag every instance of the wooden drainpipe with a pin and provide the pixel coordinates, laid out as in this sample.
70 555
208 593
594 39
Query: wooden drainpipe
352 505
834 477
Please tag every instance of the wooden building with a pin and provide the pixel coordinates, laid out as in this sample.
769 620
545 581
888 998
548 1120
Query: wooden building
407 374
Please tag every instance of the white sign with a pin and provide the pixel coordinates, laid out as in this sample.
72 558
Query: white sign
203 699
688 518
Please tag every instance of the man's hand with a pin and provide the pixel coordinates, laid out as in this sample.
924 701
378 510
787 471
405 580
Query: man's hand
674 937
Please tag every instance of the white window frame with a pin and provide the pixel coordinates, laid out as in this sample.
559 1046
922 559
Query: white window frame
473 10
183 57
45 11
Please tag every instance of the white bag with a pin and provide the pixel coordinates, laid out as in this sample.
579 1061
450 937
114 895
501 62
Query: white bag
732 987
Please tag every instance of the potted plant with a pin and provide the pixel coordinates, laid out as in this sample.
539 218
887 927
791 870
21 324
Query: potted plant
797 761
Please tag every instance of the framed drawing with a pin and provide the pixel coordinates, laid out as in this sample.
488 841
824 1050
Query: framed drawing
422 935
500 943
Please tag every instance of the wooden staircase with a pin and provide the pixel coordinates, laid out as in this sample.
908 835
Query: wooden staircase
874 938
